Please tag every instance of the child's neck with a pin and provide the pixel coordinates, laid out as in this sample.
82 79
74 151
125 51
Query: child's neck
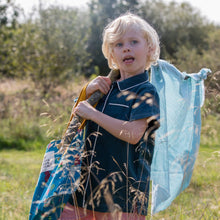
125 75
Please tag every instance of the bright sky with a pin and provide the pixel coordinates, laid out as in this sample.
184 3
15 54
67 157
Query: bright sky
208 8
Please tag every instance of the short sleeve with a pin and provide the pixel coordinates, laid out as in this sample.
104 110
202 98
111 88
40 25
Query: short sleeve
146 104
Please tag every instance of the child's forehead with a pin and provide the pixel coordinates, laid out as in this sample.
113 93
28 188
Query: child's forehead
131 32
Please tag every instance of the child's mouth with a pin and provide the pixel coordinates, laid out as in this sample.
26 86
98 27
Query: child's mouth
128 60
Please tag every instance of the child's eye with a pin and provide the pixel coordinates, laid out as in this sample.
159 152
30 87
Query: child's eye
119 45
134 42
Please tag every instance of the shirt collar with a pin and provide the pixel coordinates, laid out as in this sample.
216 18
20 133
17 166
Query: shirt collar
133 81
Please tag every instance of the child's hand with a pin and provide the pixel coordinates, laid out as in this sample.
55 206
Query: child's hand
101 83
84 110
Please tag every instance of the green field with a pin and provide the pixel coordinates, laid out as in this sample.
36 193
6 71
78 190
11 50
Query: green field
18 175
19 171
29 121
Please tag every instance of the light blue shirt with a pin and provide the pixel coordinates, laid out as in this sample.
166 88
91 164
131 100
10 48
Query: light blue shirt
178 138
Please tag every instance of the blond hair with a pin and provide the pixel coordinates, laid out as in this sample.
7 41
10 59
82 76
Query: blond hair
118 27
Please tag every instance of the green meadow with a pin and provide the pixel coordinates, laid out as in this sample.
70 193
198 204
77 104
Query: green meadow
30 122
19 171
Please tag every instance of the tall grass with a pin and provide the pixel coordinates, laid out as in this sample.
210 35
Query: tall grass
29 120
19 172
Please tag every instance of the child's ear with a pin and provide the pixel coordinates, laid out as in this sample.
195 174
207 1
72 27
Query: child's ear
151 49
150 56
151 52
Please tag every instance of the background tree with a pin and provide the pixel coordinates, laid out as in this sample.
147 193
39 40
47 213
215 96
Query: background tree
178 25
64 38
52 48
8 13
8 23
61 43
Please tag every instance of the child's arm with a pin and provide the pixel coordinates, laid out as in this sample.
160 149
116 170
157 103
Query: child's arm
129 131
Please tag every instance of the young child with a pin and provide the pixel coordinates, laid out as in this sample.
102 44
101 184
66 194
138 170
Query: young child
119 131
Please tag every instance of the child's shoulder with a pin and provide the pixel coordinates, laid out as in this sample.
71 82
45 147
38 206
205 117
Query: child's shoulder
148 86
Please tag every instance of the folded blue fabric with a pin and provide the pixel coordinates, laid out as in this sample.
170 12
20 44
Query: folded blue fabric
178 138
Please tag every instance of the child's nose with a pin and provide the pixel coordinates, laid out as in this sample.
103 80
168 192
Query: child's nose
126 48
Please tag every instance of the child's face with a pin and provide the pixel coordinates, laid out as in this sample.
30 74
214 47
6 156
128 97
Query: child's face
130 53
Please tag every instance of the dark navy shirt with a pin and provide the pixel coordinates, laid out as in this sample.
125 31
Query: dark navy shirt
116 174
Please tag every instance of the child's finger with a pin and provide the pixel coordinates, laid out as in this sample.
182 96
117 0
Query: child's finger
103 84
107 79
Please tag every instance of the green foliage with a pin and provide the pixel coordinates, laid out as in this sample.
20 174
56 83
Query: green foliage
210 131
191 60
22 134
8 14
178 25
8 23
61 42
64 37
49 49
